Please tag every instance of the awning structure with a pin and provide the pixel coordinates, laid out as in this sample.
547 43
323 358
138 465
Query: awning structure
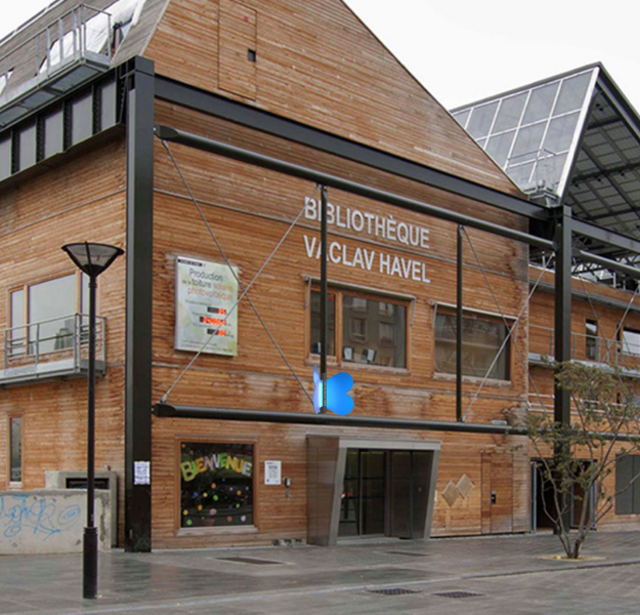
573 139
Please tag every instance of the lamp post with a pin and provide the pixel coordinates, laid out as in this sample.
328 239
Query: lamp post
92 259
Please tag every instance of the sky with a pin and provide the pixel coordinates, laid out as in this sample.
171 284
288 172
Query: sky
466 50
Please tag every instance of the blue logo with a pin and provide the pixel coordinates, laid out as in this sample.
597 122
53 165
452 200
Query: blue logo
338 399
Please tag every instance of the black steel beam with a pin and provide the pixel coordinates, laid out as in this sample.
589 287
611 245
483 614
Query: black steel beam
140 143
607 263
242 114
267 162
604 235
306 418
562 331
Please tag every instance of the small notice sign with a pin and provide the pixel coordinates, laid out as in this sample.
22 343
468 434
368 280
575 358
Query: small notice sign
272 472
141 472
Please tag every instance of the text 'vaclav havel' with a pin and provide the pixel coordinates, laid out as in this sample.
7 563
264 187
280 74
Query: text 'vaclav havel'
384 227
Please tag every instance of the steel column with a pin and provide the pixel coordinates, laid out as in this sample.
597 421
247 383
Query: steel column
459 417
140 141
562 329
323 298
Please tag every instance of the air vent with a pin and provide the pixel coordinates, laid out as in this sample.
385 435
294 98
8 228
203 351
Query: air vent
394 591
251 560
458 594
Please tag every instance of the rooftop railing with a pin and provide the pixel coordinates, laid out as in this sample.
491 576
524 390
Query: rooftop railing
81 36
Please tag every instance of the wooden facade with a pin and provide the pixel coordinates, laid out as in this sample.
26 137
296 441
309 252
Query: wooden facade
314 63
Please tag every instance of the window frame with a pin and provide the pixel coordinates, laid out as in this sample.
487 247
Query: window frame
622 341
11 483
25 289
479 315
184 532
337 359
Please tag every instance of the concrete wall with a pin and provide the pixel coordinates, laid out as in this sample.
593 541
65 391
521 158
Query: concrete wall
50 521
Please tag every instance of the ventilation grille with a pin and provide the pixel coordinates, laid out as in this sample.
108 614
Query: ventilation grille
458 594
394 591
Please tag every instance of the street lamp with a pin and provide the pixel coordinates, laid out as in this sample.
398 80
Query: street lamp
92 259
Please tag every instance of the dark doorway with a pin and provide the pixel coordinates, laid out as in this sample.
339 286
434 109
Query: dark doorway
542 502
385 493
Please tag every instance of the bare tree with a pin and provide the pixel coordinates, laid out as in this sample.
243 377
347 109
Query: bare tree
577 459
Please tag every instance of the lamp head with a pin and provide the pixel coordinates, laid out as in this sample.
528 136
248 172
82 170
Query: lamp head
92 258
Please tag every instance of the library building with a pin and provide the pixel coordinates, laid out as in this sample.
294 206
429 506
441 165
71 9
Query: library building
288 199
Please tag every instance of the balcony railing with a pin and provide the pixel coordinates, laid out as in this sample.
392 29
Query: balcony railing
50 349
71 49
583 348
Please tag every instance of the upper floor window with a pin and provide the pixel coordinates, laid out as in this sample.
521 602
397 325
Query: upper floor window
591 340
42 315
362 328
631 342
483 354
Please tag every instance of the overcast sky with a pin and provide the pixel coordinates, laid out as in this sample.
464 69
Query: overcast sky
469 49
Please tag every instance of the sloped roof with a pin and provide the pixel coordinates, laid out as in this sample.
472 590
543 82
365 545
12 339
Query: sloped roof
573 137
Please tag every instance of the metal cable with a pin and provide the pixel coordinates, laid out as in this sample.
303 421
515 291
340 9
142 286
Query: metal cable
245 290
505 320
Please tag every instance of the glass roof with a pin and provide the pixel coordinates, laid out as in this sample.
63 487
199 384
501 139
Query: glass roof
532 133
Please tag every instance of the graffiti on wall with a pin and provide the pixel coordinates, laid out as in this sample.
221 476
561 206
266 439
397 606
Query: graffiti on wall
38 515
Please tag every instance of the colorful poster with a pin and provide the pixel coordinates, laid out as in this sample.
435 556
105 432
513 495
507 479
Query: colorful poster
216 484
205 295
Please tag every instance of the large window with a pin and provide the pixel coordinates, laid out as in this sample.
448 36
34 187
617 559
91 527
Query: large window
631 342
362 329
482 339
216 484
627 490
42 315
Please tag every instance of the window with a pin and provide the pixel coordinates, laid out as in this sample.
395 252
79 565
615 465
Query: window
482 339
81 118
15 449
43 315
372 332
628 495
631 342
592 340
216 484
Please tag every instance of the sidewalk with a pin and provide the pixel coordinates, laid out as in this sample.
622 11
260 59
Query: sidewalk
497 575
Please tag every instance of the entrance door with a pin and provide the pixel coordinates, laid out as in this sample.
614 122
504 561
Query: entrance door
497 493
363 506
385 493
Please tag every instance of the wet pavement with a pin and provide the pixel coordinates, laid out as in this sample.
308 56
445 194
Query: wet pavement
506 574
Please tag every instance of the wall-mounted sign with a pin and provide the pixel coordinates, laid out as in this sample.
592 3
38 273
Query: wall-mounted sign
216 484
272 472
205 294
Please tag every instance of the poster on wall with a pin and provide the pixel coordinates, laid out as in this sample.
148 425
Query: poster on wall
216 484
205 294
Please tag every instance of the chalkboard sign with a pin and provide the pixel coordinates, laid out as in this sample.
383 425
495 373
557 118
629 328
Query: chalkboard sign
216 484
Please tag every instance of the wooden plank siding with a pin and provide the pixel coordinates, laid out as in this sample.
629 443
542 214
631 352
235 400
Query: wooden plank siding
318 64
55 206
249 209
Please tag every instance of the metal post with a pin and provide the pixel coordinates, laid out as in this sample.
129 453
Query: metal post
139 300
562 401
90 546
323 298
459 417
562 398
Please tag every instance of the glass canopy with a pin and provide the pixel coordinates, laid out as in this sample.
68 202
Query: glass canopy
530 132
